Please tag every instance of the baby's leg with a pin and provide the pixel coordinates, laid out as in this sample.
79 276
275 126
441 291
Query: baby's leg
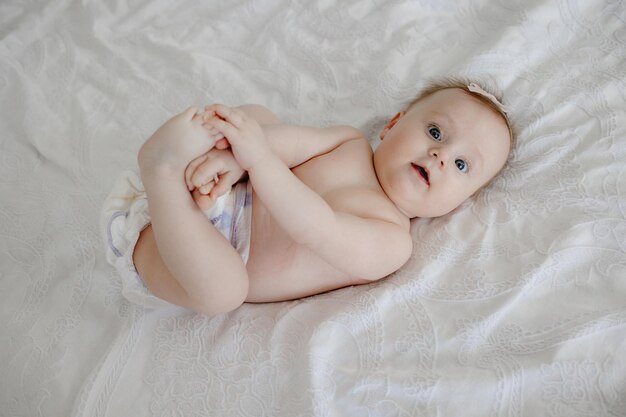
261 114
154 273
181 257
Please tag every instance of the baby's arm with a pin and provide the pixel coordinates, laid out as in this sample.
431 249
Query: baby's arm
295 145
193 252
349 243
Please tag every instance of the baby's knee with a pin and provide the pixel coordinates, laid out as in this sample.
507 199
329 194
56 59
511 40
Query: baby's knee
261 114
226 298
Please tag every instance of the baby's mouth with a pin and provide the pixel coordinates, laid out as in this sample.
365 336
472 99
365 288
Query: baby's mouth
422 172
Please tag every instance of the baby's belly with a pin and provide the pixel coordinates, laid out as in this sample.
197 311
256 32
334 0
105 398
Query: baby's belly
272 251
279 269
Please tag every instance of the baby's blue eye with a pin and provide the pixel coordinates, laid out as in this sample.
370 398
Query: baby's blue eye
435 133
461 165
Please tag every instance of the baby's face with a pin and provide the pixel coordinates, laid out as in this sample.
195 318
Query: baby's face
435 156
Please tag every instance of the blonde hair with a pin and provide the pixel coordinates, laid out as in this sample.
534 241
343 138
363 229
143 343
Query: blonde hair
456 82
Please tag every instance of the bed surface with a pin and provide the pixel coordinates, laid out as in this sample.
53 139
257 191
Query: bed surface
515 305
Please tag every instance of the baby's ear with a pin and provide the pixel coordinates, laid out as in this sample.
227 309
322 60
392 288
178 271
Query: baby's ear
391 124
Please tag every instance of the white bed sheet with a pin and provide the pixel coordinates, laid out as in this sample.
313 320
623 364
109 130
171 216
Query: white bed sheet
515 305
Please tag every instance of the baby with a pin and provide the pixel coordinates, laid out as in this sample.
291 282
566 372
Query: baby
320 209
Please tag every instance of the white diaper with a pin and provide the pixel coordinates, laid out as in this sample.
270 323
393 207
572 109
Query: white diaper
125 215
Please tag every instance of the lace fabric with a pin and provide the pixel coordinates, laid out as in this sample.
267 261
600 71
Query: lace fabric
513 305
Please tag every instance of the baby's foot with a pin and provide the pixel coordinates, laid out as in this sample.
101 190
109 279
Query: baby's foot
178 141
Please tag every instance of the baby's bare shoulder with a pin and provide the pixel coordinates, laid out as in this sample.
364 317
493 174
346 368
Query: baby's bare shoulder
349 160
359 143
353 153
357 190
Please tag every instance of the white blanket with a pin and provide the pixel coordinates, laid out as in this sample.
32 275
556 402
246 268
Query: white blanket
514 305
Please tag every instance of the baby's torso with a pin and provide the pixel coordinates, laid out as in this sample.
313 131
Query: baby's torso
280 269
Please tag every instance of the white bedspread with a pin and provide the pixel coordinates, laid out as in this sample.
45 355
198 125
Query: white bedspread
515 305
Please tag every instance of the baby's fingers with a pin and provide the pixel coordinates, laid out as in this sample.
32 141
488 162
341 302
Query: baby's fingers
231 115
230 131
224 185
203 201
191 169
220 189
207 172
207 188
222 144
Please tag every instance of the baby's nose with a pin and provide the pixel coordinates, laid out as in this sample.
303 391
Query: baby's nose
438 155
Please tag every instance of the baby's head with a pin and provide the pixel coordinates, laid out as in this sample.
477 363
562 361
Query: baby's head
450 142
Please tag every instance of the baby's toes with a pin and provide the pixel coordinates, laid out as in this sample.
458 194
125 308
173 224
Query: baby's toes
190 113
198 119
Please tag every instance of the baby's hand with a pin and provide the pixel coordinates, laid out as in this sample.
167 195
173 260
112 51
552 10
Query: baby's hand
244 134
211 176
